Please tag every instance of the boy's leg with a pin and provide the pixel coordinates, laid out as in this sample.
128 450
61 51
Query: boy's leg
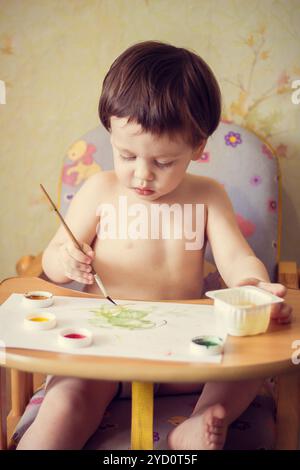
69 414
178 388
218 406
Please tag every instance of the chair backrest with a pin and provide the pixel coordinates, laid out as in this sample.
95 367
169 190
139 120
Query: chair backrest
234 156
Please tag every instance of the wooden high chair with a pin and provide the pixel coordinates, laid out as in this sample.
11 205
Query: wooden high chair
248 168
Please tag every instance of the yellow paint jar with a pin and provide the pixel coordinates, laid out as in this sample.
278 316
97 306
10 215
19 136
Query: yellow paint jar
38 321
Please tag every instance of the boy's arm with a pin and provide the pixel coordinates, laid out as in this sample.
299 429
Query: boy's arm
234 258
81 219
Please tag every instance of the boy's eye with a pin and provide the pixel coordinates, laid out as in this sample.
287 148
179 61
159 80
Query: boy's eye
127 158
158 164
163 165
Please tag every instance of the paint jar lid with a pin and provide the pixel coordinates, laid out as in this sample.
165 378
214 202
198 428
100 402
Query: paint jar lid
73 338
207 345
38 299
40 321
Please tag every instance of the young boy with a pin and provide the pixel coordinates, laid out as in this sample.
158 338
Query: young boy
160 104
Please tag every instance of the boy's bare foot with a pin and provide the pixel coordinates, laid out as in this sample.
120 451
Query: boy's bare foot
201 431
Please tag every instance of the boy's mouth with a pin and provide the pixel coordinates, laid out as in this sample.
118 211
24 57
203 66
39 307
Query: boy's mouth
144 191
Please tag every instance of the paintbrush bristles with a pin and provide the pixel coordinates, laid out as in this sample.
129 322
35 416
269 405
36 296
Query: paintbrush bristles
111 300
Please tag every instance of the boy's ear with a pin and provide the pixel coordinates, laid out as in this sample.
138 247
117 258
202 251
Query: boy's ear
199 150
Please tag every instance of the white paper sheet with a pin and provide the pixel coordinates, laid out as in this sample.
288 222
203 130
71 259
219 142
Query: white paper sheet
158 330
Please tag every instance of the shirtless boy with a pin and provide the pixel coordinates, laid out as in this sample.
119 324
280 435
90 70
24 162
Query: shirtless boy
160 104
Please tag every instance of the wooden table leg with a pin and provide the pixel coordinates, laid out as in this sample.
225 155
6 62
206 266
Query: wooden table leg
21 392
22 389
288 412
142 416
3 409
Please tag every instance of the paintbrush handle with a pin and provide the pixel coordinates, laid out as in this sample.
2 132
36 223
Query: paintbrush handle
61 218
96 277
100 284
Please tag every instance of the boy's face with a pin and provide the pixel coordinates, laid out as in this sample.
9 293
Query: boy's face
148 165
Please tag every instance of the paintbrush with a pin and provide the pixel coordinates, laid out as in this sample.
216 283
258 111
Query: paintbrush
96 276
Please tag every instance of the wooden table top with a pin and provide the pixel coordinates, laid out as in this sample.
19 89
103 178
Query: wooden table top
244 357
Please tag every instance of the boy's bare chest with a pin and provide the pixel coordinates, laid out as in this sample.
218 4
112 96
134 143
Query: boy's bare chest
141 252
153 269
157 247
162 228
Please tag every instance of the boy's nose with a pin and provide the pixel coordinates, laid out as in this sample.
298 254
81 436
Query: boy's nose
143 172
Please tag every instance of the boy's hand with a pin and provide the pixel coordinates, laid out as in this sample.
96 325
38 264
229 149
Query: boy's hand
76 263
282 313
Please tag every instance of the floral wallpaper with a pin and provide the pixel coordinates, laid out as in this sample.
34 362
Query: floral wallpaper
55 53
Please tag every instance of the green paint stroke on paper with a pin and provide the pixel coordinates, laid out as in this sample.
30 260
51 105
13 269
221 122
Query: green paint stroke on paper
121 316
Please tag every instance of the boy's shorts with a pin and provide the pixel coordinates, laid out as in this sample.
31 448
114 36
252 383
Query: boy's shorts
124 388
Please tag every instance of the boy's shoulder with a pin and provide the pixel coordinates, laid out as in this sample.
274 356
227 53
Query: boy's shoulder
100 180
205 187
95 188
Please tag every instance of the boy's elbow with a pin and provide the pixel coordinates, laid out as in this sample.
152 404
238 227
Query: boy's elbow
45 263
50 268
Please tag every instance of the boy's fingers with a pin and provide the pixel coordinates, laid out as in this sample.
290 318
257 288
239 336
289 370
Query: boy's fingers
75 265
77 254
282 313
87 250
82 278
274 288
71 264
275 311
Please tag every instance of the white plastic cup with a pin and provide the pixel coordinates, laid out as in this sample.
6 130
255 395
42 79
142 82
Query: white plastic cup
244 310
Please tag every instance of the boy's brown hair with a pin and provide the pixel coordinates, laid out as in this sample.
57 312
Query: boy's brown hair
163 88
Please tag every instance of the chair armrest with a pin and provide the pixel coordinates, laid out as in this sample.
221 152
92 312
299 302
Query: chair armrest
288 274
30 266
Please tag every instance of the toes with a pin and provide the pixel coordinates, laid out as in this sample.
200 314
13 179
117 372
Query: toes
216 416
216 430
214 441
217 423
219 412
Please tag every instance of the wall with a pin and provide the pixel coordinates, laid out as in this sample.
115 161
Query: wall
53 57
